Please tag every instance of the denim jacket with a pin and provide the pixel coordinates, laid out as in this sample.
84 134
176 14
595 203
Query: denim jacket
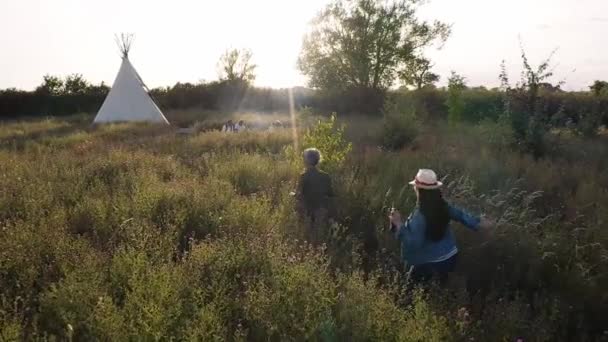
416 249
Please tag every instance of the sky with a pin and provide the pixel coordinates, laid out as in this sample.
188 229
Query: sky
182 40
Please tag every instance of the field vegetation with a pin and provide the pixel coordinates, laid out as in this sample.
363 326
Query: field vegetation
131 231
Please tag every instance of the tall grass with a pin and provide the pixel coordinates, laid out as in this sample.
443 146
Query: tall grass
131 232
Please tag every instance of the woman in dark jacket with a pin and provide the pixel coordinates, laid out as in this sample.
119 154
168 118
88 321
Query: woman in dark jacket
428 246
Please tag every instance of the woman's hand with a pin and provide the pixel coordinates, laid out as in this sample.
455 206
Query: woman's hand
395 218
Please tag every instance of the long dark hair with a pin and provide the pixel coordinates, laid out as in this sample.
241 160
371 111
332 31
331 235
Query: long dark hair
435 211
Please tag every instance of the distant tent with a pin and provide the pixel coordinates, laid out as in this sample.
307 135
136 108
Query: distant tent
128 99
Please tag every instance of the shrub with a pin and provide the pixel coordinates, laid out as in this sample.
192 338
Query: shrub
135 233
68 308
10 329
497 134
252 173
455 101
367 313
588 125
329 138
147 293
399 129
295 302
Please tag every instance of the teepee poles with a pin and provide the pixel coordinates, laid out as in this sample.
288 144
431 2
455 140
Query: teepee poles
124 41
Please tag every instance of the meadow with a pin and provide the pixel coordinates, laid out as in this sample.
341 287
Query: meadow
134 232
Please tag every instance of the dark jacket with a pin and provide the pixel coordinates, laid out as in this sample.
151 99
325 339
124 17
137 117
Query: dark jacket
314 191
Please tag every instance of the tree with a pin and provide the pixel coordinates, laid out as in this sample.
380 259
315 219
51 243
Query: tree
75 84
524 106
235 65
599 87
455 102
51 85
547 87
365 43
417 73
100 90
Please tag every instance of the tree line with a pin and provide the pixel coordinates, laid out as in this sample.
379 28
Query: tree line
356 55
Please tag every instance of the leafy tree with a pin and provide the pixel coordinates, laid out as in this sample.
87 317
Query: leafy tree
455 102
236 65
75 84
51 85
589 121
524 106
364 44
547 87
417 73
100 90
599 87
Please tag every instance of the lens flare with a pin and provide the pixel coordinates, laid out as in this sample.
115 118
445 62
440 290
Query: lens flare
292 113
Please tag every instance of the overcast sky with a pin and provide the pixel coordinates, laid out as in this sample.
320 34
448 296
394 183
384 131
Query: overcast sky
181 40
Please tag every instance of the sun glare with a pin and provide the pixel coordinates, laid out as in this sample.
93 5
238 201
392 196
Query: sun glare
292 114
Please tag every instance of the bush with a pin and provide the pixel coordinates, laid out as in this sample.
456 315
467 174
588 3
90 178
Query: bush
497 134
400 127
295 302
328 138
588 125
455 101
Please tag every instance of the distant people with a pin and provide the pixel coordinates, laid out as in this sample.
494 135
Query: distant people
240 126
428 247
229 127
314 195
275 125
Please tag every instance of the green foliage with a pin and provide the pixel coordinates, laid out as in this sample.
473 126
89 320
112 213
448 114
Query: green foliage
523 104
498 134
588 125
305 117
328 137
417 73
400 126
455 102
10 330
51 85
235 65
128 232
253 173
75 84
599 88
367 312
365 43
295 302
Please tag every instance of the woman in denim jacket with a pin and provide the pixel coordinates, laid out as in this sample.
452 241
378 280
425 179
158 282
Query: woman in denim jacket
428 246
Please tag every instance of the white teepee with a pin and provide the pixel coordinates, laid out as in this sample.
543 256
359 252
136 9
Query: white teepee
128 99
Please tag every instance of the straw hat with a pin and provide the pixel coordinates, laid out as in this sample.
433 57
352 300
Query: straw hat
426 179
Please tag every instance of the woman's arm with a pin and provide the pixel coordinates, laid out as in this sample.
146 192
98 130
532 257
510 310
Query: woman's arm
468 220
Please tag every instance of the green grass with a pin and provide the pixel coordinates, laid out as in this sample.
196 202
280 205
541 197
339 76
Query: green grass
133 232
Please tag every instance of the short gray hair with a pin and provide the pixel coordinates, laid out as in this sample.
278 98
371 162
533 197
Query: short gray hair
312 156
